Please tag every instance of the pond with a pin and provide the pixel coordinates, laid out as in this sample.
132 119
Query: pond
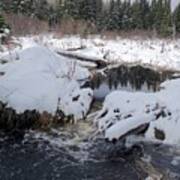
127 78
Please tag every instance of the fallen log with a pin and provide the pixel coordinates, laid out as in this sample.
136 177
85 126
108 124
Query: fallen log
100 63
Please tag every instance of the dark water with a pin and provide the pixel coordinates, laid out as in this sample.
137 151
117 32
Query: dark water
41 158
59 156
134 78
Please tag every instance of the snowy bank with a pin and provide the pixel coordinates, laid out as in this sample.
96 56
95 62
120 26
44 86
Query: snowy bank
158 53
125 112
37 78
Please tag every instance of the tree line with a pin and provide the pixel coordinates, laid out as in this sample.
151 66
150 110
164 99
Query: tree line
124 15
117 15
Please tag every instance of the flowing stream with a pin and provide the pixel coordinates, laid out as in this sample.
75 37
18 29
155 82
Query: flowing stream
74 152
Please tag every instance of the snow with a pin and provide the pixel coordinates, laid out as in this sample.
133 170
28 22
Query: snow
154 52
123 112
158 53
121 127
5 33
37 78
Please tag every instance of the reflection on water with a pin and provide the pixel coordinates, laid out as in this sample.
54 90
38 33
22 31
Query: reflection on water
133 78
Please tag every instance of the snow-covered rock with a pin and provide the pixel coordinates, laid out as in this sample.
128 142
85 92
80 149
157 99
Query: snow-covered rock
37 78
124 112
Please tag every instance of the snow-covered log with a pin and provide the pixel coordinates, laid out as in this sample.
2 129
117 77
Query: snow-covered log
100 63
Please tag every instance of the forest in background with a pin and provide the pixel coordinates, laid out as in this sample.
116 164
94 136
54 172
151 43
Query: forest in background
90 16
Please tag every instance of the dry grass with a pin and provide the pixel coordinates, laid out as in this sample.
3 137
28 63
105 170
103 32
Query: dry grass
135 34
23 25
75 27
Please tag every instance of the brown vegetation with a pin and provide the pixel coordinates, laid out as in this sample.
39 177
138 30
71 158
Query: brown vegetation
23 25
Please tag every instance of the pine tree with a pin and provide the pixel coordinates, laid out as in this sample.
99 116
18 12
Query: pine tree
156 14
177 18
2 23
145 14
136 15
120 14
100 16
71 8
60 11
113 18
90 10
1 6
126 16
166 24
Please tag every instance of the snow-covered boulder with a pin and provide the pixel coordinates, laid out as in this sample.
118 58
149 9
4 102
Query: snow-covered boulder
169 123
126 112
37 78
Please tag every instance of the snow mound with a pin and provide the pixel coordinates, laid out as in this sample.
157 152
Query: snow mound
124 112
39 79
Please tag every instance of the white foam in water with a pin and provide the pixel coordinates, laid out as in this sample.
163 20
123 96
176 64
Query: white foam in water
74 139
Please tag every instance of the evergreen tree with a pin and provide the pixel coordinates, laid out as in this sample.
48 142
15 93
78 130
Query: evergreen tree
166 24
120 14
156 13
136 14
100 16
60 11
2 23
90 10
177 18
113 18
126 15
71 8
145 14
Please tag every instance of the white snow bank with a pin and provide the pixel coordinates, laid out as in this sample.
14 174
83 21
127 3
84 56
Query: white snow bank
158 53
125 111
39 79
154 52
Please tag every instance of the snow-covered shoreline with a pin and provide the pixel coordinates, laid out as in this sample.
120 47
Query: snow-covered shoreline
156 53
123 112
35 77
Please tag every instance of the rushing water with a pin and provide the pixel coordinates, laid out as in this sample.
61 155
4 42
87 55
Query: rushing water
66 154
73 152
